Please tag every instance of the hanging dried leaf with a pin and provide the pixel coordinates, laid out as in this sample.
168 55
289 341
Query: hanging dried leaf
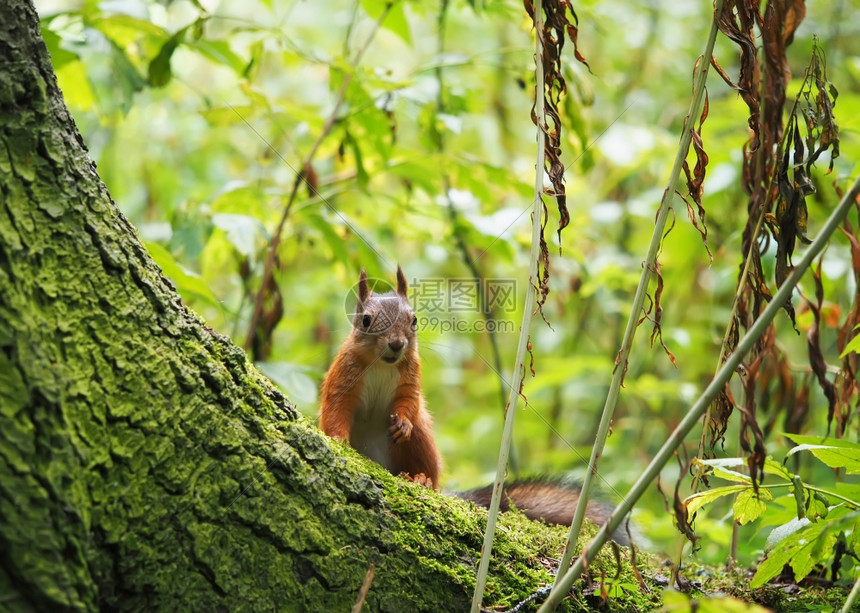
813 341
531 358
780 395
721 408
737 21
270 315
720 411
656 319
696 180
560 23
821 125
813 109
849 374
311 179
542 286
682 517
777 24
755 453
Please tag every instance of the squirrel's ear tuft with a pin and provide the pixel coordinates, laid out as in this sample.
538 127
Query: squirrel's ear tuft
402 287
363 289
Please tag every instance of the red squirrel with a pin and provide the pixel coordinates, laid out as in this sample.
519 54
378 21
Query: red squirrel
371 395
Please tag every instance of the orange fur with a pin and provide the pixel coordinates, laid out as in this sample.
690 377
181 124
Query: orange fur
371 395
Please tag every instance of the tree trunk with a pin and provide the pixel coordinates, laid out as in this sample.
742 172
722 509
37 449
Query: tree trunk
144 464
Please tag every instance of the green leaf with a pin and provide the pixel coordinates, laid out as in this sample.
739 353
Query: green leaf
361 174
240 198
772 467
748 506
258 99
853 345
676 602
697 501
848 490
139 38
219 51
77 91
835 454
792 546
719 467
59 56
785 530
159 68
731 475
395 20
329 233
806 547
818 505
223 116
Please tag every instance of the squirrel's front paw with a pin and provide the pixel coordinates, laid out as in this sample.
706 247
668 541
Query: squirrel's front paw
400 429
420 479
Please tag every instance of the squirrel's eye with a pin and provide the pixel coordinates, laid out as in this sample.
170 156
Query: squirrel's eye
365 321
414 322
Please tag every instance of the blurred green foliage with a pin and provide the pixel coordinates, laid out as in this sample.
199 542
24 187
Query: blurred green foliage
200 113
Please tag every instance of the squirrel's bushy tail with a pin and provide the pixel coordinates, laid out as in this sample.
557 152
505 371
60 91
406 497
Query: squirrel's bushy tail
552 501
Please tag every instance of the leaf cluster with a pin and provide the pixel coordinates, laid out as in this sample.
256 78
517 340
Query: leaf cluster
822 521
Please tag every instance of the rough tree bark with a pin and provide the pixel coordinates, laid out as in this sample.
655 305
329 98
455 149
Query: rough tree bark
144 464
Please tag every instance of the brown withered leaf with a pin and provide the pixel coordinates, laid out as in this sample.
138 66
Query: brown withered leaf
559 24
531 357
849 375
720 411
270 316
717 417
820 122
779 395
777 20
643 587
779 392
657 318
309 174
816 355
696 180
737 21
790 207
796 417
813 109
542 285
682 517
777 24
755 453
722 72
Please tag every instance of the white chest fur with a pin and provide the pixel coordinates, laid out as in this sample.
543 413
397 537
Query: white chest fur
370 422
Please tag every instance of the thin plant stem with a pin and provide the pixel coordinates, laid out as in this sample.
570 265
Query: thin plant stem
852 596
698 409
639 298
518 373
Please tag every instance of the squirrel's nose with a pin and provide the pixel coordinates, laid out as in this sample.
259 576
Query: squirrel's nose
396 345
